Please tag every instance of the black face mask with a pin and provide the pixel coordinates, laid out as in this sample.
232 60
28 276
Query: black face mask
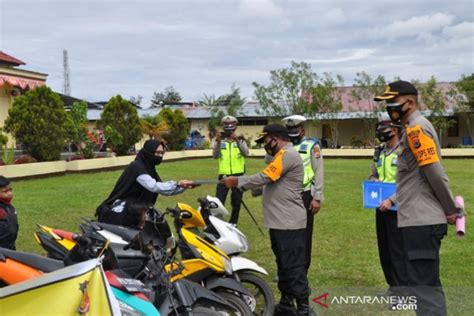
296 139
271 149
383 136
395 111
157 160
226 134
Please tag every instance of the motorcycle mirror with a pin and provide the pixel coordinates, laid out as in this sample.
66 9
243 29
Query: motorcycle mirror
186 215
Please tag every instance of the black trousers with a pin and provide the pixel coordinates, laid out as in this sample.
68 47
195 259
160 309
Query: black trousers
307 198
235 198
289 249
390 244
421 247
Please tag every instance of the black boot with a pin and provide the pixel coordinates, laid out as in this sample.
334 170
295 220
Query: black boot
286 307
304 309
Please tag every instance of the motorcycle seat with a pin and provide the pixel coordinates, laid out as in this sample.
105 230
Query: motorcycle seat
33 260
126 233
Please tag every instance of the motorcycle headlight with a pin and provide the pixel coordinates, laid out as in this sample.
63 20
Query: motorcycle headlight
244 242
127 310
227 266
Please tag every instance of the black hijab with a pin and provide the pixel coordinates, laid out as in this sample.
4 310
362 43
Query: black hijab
127 188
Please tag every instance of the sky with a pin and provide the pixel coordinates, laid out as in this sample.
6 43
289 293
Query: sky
203 47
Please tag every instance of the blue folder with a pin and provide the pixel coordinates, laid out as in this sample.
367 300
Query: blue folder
375 192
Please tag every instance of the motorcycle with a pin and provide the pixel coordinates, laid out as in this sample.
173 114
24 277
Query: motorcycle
232 241
22 273
134 261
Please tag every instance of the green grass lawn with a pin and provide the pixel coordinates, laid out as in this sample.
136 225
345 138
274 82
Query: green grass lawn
345 259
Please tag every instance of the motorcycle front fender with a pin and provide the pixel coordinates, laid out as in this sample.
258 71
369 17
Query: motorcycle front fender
240 263
188 293
215 282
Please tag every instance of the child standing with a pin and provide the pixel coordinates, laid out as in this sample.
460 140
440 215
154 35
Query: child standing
8 219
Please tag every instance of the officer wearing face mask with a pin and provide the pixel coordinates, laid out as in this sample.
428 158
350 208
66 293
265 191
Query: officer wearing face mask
425 202
284 215
139 183
310 152
230 152
389 238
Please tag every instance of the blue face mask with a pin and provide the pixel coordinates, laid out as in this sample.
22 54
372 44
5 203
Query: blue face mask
395 111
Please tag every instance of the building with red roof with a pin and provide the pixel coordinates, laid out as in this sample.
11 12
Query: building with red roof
15 82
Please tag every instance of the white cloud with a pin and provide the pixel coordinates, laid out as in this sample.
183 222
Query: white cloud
260 8
344 56
417 26
464 29
333 16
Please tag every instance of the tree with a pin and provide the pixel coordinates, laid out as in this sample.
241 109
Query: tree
434 100
136 101
463 95
38 120
178 128
325 98
286 93
154 126
80 134
169 95
365 89
121 125
226 104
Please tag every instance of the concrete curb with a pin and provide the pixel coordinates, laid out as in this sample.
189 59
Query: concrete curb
45 169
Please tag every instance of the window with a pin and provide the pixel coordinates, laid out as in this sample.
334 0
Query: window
248 122
327 131
453 131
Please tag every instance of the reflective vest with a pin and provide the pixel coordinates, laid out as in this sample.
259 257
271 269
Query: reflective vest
387 167
231 160
305 149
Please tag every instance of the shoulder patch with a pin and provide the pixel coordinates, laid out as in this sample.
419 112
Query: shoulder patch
316 151
275 168
422 146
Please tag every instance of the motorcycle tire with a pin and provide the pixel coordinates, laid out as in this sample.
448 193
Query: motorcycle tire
240 308
264 299
204 311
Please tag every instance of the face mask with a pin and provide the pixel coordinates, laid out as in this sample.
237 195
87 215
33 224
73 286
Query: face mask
7 200
383 136
226 134
395 111
157 160
296 139
269 148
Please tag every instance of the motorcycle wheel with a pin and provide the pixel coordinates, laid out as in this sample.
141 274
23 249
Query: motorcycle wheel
240 308
261 291
204 311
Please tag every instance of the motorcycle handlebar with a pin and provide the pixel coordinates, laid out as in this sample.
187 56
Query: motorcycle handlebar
81 240
203 202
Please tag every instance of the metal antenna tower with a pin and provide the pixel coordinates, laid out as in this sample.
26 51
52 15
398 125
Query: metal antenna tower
66 83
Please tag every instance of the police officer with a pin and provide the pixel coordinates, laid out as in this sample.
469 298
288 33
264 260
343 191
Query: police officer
425 202
310 152
231 152
284 214
389 237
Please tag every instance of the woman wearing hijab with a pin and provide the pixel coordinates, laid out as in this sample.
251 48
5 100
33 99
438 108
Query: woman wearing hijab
139 182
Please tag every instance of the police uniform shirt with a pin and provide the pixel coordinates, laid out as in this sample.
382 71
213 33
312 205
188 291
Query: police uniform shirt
282 179
423 195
